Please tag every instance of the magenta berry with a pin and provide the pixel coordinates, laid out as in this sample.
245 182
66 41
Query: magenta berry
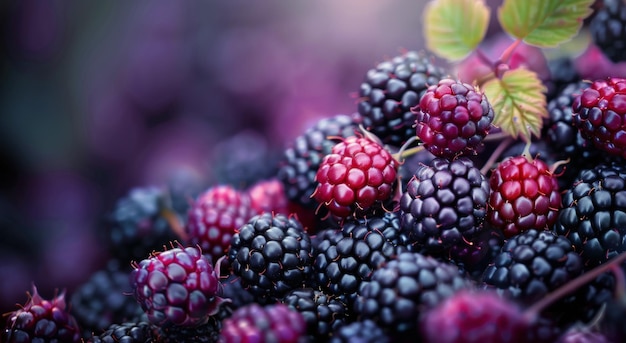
600 115
268 196
524 195
177 287
273 323
41 320
453 118
357 176
215 215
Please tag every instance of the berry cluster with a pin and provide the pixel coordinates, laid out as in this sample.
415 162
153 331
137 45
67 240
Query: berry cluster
407 220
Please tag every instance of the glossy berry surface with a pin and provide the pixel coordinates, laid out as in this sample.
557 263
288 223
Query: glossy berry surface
215 215
176 287
444 205
275 323
126 332
452 119
41 320
357 176
600 115
524 195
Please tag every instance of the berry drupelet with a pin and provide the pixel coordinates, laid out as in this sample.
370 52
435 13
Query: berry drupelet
390 91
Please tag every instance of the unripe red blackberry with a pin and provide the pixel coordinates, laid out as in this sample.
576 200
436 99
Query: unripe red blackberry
600 115
41 320
356 178
474 317
275 323
268 196
453 118
390 91
215 215
524 195
177 287
272 254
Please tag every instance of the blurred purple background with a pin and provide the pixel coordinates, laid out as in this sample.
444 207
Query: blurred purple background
98 97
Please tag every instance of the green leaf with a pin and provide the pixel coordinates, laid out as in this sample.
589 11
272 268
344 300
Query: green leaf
543 23
454 28
519 102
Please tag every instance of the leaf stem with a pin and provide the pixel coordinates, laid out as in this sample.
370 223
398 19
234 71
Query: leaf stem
508 52
534 310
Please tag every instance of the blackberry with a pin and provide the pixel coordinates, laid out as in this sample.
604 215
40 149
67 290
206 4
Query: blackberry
177 286
608 29
272 254
41 320
232 158
593 216
474 317
389 92
275 323
524 195
322 313
346 258
444 205
600 115
564 139
136 226
531 265
215 215
453 118
104 300
356 178
208 332
303 157
404 287
127 332
365 331
562 73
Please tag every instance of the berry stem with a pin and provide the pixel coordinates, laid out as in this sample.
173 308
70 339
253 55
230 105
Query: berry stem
533 311
508 52
496 154
172 219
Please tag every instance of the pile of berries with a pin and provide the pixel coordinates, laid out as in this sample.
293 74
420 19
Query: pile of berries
404 221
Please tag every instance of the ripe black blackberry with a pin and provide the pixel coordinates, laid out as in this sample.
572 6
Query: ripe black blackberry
444 206
205 333
127 332
272 254
231 289
136 226
562 73
104 300
593 216
534 263
389 92
364 331
608 29
302 158
404 287
322 313
346 258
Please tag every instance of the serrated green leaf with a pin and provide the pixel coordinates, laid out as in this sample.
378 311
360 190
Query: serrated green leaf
543 23
519 102
454 28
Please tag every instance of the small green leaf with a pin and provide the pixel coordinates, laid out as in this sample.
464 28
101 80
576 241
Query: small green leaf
454 28
543 23
519 102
